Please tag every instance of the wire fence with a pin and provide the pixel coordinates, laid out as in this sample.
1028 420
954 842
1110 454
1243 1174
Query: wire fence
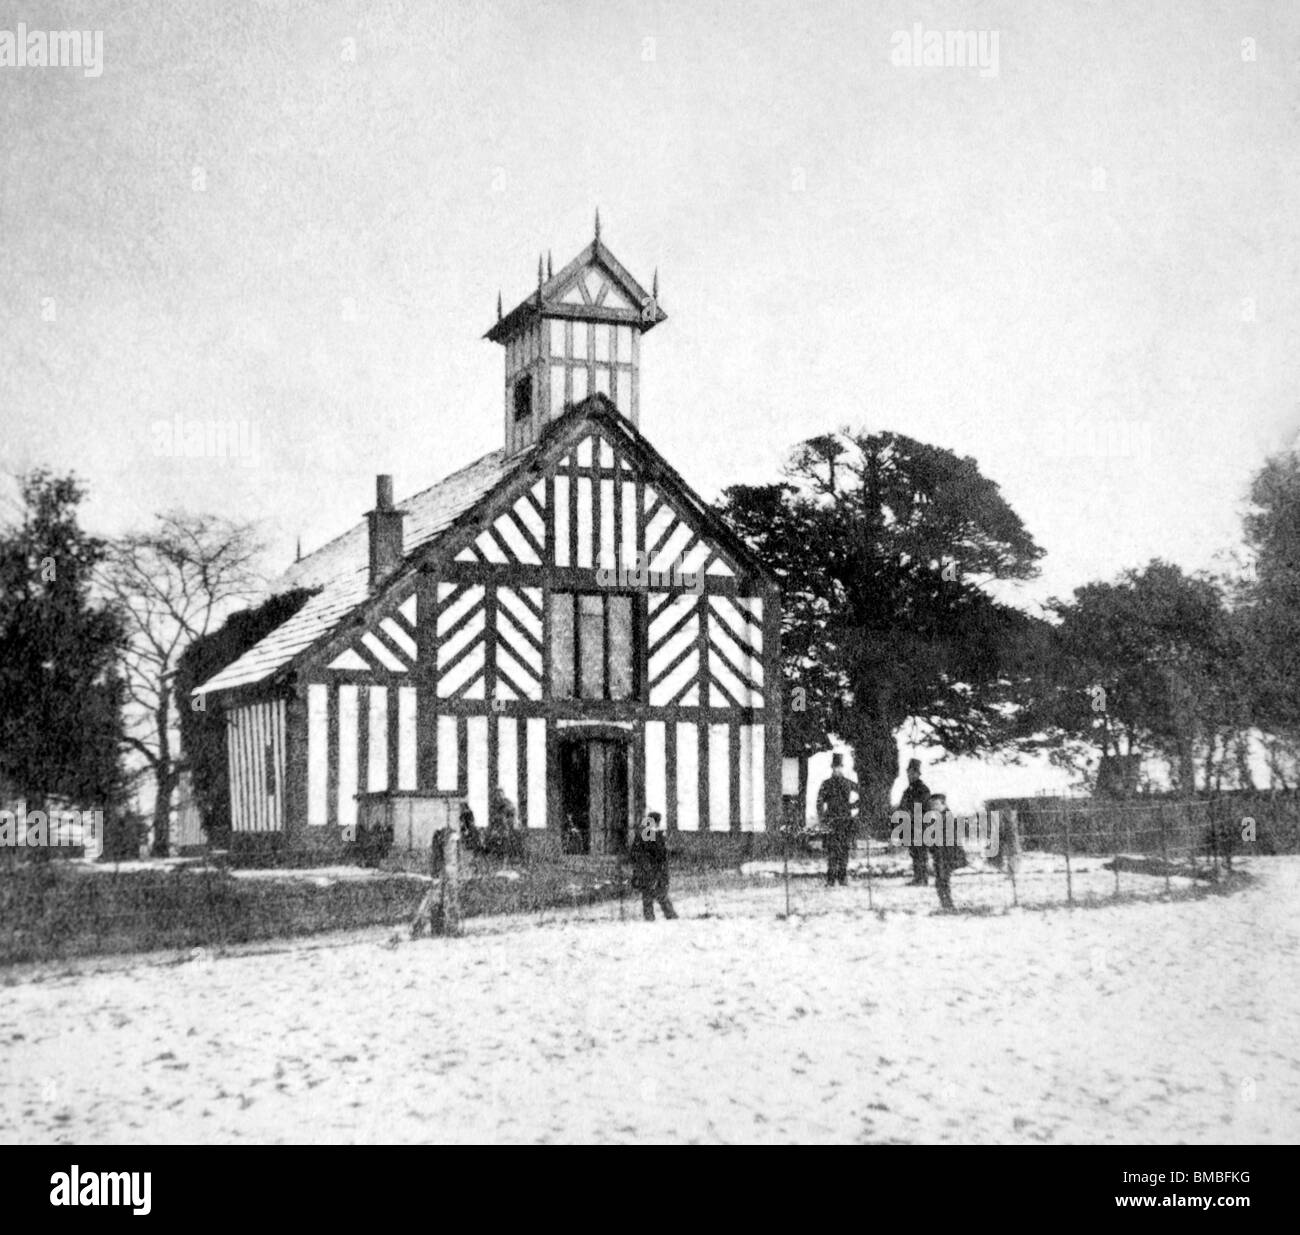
1041 854
1051 853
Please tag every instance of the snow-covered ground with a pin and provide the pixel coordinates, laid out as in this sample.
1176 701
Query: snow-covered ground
1140 1021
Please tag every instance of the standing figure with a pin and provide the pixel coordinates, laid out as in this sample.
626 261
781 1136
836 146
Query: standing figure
469 832
836 807
649 856
916 794
945 855
502 836
438 911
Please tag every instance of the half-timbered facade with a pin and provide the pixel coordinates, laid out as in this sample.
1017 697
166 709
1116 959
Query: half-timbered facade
564 619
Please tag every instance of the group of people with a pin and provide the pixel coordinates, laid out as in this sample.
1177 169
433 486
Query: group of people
501 838
647 854
837 810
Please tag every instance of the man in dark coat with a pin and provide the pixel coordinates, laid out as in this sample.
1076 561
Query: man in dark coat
916 794
649 857
836 808
945 855
469 833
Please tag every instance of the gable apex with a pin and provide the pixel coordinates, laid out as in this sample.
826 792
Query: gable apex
626 300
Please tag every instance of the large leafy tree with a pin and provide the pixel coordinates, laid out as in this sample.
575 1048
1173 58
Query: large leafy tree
1149 665
885 548
1271 608
60 694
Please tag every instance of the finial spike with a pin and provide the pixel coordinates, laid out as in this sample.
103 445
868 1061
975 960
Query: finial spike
550 270
597 223
654 287
298 558
498 306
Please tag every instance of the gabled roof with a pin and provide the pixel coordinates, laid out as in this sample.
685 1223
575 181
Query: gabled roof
548 300
340 569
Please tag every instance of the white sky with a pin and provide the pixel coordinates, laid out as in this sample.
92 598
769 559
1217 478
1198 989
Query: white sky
839 240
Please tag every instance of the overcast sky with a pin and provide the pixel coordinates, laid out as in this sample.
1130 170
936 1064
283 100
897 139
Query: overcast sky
299 216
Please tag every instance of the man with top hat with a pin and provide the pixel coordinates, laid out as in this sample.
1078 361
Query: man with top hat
916 794
836 807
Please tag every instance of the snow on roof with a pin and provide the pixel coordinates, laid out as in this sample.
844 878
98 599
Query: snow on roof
340 569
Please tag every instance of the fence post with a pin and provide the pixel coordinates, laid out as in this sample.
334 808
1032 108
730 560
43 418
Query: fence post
1214 846
1164 848
1229 843
1114 831
1012 856
785 857
870 901
451 924
1069 879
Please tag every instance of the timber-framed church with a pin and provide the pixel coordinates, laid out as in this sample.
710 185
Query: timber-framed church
564 618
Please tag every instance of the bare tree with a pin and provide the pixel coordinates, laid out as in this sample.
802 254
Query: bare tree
172 584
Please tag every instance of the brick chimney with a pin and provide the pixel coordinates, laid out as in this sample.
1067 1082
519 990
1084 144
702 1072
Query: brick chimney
385 532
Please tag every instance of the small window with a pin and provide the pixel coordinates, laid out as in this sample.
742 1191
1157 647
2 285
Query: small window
524 398
563 645
622 648
591 647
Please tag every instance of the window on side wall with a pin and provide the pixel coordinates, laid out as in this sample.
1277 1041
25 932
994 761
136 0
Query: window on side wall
524 398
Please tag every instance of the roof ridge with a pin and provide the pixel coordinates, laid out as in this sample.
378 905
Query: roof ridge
293 568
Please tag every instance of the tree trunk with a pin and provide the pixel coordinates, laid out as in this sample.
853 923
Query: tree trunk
162 813
875 760
165 782
1241 750
36 802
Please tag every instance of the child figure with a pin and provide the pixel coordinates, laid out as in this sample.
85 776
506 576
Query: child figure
649 855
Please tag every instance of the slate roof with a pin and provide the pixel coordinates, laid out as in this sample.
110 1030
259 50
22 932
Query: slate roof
340 569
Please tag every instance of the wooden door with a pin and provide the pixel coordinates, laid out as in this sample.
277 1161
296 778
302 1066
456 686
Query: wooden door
594 795
609 801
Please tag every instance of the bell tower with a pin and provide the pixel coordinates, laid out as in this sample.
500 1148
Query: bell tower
578 334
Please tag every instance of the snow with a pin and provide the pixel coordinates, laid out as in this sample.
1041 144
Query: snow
1147 1020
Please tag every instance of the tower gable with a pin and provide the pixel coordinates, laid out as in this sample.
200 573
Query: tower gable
579 334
